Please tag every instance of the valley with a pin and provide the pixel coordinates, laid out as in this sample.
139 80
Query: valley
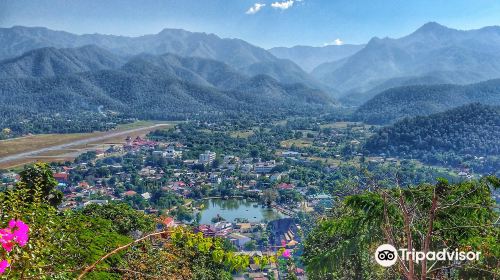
201 157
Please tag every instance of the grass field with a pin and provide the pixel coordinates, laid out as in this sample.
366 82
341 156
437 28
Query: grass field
242 133
33 143
301 143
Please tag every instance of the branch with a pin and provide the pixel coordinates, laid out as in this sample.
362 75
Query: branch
121 248
428 236
389 234
407 230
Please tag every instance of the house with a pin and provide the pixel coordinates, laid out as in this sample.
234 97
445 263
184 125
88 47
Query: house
244 227
129 193
167 222
239 240
264 167
206 230
290 154
171 153
146 196
207 157
98 202
286 186
61 177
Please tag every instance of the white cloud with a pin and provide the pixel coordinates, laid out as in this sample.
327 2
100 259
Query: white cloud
336 42
283 5
255 8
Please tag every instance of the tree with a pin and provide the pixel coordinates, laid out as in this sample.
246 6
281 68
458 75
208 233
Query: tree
269 196
38 179
422 218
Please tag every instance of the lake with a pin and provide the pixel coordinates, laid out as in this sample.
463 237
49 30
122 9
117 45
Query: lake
233 208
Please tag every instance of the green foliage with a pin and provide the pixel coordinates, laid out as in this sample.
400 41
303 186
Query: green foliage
342 246
62 244
421 100
125 219
451 138
39 178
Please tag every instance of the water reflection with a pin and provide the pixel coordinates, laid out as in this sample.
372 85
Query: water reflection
231 209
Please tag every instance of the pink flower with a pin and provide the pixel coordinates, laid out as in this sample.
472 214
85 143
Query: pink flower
3 265
16 232
286 254
20 231
6 239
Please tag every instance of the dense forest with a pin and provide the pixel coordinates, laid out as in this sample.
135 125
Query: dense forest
57 83
452 138
421 100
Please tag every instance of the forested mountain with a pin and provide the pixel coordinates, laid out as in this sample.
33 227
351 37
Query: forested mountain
448 138
141 94
200 71
310 57
49 61
433 50
400 102
234 52
356 98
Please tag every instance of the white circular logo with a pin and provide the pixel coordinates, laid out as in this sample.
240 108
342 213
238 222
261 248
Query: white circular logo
386 255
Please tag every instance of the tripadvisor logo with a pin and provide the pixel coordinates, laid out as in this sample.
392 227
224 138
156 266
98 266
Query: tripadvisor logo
386 255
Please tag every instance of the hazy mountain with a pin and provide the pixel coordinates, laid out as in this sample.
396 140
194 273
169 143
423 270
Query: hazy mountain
464 57
293 73
49 61
397 103
310 57
266 90
234 52
200 71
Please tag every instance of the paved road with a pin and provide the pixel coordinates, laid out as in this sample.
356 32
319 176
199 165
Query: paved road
72 144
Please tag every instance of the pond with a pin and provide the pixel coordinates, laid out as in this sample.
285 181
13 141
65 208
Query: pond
231 209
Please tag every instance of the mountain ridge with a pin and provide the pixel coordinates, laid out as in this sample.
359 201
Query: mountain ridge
420 100
234 52
431 48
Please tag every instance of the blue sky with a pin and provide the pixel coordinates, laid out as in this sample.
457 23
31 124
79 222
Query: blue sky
270 22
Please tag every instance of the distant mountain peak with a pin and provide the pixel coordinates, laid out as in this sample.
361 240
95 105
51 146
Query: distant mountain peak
432 27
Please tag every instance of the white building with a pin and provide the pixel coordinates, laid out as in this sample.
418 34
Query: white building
172 153
207 157
265 167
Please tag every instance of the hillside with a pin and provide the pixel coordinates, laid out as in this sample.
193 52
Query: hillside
397 103
310 57
49 61
448 138
235 52
356 98
147 96
460 56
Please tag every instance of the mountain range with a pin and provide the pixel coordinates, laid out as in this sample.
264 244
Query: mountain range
73 80
422 73
237 53
445 55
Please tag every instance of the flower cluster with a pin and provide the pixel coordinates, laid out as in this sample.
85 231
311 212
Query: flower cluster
15 233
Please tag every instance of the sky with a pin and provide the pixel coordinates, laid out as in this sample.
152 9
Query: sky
266 23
